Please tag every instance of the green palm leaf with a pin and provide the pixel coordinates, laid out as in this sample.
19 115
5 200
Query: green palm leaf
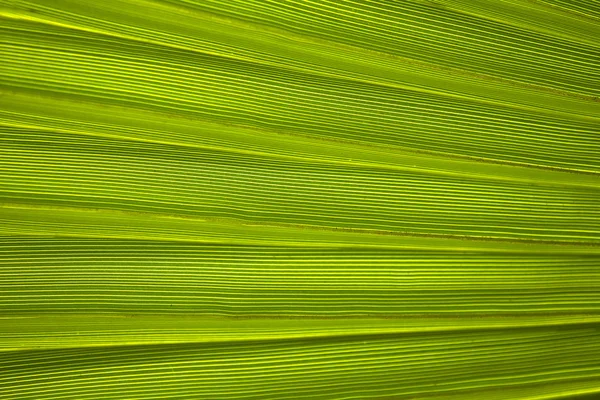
299 199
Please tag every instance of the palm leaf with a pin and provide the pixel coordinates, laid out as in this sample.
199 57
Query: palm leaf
299 199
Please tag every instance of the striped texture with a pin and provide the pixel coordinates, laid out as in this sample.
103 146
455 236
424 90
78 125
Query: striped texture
267 199
57 275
